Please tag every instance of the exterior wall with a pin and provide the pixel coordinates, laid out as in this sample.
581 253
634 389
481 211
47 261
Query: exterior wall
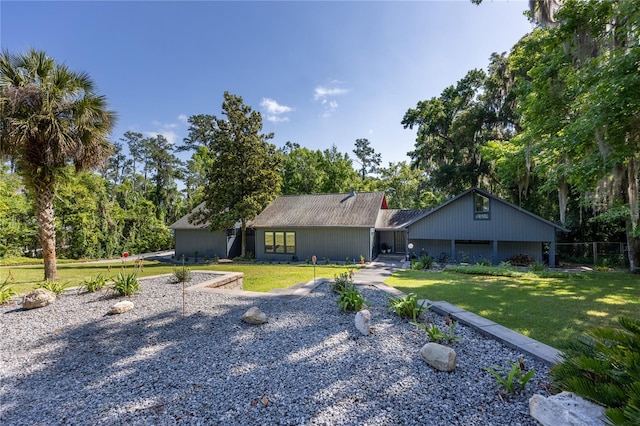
433 248
205 242
386 237
456 222
335 244
476 251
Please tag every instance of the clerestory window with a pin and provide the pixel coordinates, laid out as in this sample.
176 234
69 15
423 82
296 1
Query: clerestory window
481 207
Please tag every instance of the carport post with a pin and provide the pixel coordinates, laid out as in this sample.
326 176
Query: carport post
495 252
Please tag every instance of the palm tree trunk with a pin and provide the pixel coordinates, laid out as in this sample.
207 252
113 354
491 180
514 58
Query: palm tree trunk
46 230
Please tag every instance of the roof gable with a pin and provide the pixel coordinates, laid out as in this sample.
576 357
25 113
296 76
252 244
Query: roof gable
491 196
322 210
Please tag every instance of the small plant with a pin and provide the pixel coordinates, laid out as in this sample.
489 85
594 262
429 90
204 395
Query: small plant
6 292
341 282
361 259
537 267
437 335
92 285
350 299
407 307
325 261
483 262
181 275
515 379
53 286
347 261
216 258
126 284
196 256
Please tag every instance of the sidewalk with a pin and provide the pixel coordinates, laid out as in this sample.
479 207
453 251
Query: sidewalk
376 272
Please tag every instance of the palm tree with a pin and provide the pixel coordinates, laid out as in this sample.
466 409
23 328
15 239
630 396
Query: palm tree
49 118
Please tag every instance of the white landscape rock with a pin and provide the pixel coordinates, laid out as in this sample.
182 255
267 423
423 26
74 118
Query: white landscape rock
38 298
363 322
565 409
254 316
438 356
121 307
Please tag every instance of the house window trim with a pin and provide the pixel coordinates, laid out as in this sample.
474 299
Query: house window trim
484 214
272 248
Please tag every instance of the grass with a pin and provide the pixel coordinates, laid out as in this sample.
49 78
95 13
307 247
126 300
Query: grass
257 277
553 308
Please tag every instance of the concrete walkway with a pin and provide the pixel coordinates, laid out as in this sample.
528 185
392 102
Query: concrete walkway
376 272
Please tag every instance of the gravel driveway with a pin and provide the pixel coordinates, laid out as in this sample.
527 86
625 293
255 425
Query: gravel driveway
71 363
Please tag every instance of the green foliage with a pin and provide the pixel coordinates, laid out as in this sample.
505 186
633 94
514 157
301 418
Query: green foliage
538 267
437 335
604 367
243 168
407 306
182 274
341 282
513 380
126 284
350 299
483 262
367 157
424 262
94 284
6 292
53 286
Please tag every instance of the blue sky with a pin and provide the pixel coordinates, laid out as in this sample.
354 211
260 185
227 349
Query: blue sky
321 73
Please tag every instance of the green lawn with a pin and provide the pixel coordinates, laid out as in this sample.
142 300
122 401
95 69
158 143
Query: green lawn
551 308
257 277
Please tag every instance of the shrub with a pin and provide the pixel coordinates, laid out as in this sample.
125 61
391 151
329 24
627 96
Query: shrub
424 262
407 307
94 284
126 284
521 260
537 267
515 376
350 299
181 275
483 262
6 292
53 286
341 282
604 367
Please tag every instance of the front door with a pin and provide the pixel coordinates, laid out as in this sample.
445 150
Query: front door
399 242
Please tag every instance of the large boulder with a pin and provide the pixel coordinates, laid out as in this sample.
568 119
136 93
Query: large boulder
38 298
565 409
121 307
254 316
438 356
363 322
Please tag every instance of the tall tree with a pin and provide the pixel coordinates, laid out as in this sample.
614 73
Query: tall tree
243 176
368 158
50 116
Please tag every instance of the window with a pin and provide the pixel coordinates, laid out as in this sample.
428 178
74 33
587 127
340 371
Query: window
280 242
481 207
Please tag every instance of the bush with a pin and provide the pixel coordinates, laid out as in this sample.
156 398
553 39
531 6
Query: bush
483 262
604 367
350 299
126 284
181 275
424 262
341 282
521 260
94 284
53 286
407 307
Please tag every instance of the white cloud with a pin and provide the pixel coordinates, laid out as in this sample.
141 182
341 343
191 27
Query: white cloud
326 96
274 112
168 130
171 136
183 118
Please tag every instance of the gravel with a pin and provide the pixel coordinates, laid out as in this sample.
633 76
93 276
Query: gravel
72 363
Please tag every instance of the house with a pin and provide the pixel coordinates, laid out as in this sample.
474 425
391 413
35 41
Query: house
331 226
477 225
472 226
193 240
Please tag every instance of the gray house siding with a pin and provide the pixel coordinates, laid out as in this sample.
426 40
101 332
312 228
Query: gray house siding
335 244
454 230
456 222
205 242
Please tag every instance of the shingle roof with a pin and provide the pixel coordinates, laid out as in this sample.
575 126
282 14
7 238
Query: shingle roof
183 222
396 219
322 210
